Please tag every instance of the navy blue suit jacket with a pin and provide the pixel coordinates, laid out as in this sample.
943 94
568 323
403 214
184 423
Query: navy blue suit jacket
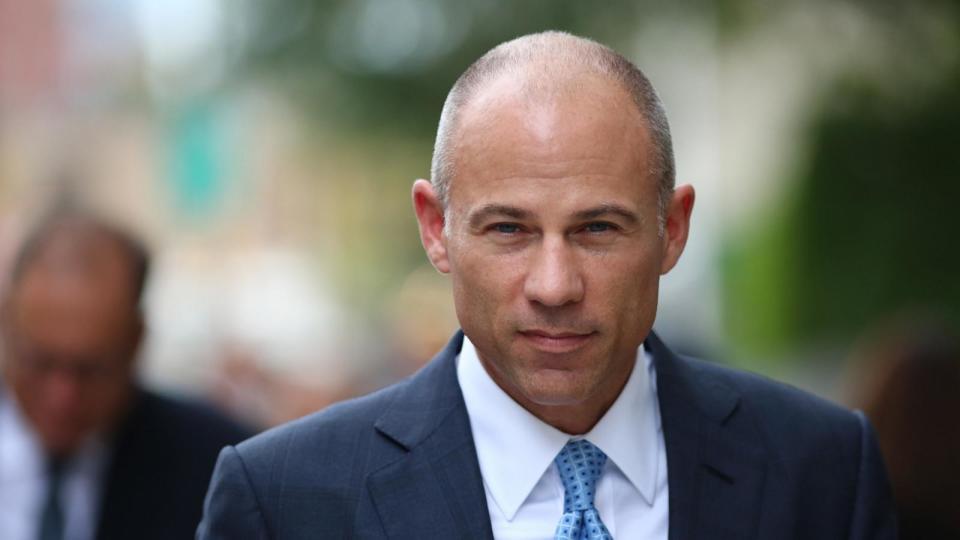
161 461
747 458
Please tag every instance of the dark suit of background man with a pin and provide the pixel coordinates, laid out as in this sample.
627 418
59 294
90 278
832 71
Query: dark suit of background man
85 452
553 208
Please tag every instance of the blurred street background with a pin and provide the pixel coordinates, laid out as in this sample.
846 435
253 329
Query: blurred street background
265 152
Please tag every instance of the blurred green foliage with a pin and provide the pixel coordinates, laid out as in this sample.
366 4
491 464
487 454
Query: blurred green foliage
876 213
868 229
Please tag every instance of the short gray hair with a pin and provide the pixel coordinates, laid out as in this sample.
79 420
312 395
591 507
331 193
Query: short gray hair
557 52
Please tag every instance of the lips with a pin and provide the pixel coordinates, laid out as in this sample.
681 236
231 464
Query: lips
556 341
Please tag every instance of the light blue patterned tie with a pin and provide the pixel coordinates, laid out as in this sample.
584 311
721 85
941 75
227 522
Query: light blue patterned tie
580 464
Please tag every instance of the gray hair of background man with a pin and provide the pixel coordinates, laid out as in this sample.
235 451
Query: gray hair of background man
551 54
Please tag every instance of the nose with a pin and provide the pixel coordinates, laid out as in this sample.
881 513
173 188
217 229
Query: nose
62 392
554 278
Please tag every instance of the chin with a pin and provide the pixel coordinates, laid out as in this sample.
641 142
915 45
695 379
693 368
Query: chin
556 389
60 447
62 442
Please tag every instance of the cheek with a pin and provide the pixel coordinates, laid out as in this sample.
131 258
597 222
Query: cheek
626 290
484 291
106 405
485 283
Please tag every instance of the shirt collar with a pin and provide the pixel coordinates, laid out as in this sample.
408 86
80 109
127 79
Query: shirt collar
21 451
630 430
627 433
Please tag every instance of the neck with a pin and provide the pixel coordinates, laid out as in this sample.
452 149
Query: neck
571 420
576 417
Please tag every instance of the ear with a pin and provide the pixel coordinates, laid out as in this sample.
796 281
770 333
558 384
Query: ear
133 341
430 218
5 308
676 226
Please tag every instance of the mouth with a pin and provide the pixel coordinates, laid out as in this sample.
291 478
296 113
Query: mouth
556 341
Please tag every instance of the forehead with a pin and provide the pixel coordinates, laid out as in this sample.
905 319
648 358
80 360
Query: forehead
73 307
584 136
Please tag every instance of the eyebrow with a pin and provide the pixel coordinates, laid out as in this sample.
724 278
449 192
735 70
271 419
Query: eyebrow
502 210
606 209
486 211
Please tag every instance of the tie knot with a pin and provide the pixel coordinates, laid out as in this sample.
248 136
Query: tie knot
580 464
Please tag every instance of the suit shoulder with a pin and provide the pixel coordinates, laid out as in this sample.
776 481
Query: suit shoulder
792 420
333 427
295 457
163 453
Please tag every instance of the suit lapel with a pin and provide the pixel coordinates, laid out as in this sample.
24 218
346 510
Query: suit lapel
715 476
119 510
434 490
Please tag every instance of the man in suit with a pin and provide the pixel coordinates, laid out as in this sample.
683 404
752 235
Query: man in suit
85 452
557 413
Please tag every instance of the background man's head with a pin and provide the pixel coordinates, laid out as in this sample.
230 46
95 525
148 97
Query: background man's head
553 209
72 324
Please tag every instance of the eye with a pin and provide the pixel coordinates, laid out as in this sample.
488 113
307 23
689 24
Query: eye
506 228
599 227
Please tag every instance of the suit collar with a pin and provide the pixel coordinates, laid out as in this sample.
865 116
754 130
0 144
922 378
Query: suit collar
424 400
677 378
434 487
715 465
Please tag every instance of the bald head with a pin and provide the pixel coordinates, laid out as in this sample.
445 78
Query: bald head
547 66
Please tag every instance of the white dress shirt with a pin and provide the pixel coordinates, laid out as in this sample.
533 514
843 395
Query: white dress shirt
23 480
516 450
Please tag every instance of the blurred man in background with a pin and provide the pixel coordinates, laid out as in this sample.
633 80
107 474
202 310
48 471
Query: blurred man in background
85 452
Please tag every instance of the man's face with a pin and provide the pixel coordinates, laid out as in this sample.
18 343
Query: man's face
552 242
68 344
